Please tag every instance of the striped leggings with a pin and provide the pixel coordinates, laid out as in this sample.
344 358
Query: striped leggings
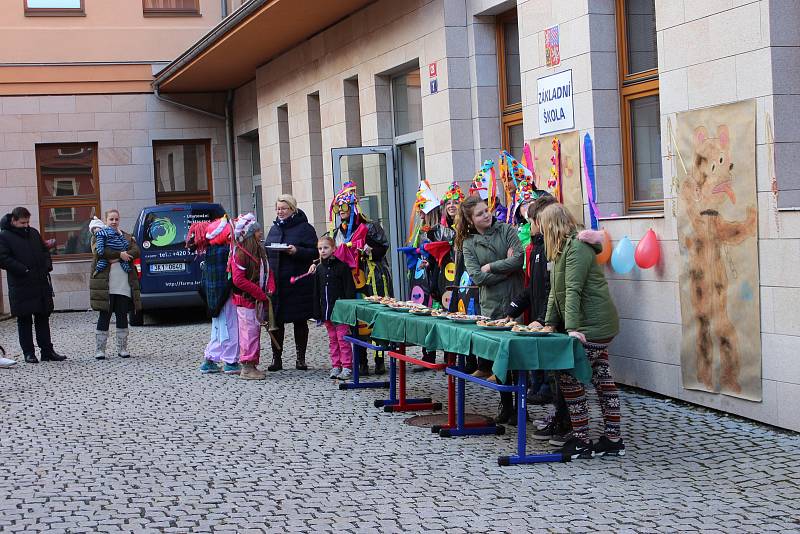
608 397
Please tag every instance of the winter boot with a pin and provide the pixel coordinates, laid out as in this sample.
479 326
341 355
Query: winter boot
251 372
101 341
300 344
276 365
122 343
363 364
380 367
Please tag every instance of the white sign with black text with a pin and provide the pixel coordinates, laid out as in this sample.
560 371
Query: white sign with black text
555 103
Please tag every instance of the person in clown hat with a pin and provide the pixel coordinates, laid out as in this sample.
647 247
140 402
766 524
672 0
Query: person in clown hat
366 243
443 270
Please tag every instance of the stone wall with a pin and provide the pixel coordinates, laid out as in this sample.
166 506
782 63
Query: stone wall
124 127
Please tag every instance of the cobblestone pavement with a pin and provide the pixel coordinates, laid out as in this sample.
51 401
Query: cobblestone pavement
148 444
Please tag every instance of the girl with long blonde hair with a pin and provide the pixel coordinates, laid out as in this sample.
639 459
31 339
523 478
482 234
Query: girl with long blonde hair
580 304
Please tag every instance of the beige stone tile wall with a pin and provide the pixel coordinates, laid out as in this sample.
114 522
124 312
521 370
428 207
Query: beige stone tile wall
124 127
709 55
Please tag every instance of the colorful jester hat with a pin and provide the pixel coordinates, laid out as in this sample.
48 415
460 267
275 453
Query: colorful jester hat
346 196
484 183
424 202
513 172
453 192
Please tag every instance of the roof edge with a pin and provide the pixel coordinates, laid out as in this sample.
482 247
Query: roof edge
208 40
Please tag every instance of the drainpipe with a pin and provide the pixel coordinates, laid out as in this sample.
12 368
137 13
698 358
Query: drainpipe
224 8
230 151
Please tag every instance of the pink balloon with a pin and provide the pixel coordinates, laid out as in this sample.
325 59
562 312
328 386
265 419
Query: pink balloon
648 251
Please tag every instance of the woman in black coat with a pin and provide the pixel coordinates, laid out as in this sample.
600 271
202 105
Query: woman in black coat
291 249
27 262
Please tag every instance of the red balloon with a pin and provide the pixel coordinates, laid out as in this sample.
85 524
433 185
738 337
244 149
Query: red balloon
648 251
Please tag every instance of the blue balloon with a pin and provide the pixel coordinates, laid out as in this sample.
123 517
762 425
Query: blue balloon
622 259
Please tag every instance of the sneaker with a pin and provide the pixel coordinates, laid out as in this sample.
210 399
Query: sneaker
346 374
559 440
547 432
577 448
335 373
231 368
5 363
606 447
208 367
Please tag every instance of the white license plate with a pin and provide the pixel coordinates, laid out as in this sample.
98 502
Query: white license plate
167 267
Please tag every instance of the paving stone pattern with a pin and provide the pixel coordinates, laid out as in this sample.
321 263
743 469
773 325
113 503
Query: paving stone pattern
150 445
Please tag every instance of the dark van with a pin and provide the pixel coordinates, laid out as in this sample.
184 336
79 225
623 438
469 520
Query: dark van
169 276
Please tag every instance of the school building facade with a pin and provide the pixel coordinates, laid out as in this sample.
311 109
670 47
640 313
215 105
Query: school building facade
299 96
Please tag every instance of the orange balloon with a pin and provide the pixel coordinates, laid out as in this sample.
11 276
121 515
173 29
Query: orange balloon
605 255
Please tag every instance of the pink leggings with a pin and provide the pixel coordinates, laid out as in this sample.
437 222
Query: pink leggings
341 352
249 335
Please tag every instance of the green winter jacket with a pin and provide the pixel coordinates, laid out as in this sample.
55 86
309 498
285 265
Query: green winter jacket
505 280
579 298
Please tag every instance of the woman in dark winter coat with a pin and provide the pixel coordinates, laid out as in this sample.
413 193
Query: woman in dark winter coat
291 249
27 261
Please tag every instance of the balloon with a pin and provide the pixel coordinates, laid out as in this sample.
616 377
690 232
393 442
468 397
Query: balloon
605 255
622 258
648 251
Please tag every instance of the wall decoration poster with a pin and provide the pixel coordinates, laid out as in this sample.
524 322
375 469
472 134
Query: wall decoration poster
571 187
551 52
718 240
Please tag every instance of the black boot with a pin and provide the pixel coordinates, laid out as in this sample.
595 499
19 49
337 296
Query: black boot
277 363
31 358
301 343
363 365
471 365
380 367
52 356
429 357
506 415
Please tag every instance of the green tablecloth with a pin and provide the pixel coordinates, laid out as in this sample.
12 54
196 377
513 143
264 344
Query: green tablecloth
507 350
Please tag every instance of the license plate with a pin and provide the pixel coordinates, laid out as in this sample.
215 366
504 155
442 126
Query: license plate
167 267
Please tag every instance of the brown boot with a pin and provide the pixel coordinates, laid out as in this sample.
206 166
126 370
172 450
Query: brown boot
251 372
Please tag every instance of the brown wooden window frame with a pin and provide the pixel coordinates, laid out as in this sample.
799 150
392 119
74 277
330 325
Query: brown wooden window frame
54 11
633 86
184 198
510 112
49 202
169 12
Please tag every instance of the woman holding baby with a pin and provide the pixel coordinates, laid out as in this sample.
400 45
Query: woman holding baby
114 283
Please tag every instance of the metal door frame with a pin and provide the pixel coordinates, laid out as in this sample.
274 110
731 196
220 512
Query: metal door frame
393 232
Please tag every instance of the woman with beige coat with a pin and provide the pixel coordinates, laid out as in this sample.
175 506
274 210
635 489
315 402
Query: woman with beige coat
114 284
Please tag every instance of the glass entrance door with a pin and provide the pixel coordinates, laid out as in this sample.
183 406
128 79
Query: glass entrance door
372 170
411 167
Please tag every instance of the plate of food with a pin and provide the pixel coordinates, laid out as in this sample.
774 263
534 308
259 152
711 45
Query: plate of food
387 301
497 324
524 330
440 314
420 310
464 318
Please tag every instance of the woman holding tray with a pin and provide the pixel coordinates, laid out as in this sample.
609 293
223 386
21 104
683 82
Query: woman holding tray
291 248
580 304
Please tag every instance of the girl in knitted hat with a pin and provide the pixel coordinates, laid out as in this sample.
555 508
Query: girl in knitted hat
249 273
